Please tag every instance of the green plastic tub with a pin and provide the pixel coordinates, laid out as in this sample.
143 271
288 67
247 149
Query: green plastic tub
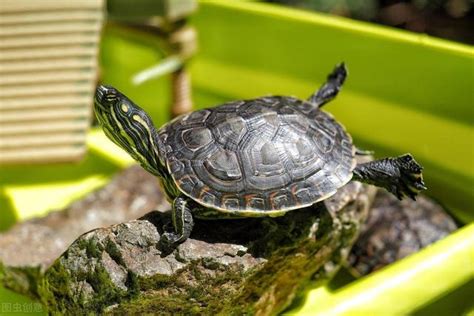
405 93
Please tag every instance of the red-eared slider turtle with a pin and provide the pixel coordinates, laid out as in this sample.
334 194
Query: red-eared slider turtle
259 157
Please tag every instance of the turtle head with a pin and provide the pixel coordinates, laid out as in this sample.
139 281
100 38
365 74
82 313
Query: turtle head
106 97
128 126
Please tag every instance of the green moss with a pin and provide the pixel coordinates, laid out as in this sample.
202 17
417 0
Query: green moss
283 268
22 280
63 291
92 247
192 291
106 293
205 286
132 283
54 288
2 273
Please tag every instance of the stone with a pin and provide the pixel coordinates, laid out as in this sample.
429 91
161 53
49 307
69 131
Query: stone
247 266
30 247
241 266
396 229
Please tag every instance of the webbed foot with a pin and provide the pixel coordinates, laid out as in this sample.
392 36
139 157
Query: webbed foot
401 176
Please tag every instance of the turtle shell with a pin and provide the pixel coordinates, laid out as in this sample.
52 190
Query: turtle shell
267 155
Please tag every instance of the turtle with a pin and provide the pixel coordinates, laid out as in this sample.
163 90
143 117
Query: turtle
249 158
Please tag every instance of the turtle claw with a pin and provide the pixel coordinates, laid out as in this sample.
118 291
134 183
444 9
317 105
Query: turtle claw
168 239
410 180
168 242
401 176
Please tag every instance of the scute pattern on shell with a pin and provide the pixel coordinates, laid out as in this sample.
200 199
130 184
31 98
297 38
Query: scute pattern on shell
270 154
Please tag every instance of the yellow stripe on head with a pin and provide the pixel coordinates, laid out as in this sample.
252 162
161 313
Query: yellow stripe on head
131 144
140 120
137 118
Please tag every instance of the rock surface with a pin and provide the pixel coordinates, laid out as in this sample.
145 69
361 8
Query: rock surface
32 246
251 266
396 229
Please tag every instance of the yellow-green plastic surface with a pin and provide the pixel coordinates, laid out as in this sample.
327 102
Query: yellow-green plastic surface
405 93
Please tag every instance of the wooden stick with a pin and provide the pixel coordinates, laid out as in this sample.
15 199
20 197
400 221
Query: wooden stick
48 155
47 77
56 16
47 64
21 142
45 115
76 51
49 40
50 28
46 89
12 6
43 127
52 101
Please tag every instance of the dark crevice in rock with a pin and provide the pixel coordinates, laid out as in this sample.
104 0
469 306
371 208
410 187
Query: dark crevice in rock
113 251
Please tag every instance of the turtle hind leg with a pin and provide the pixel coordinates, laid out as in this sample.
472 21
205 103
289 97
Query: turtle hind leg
400 176
183 223
331 87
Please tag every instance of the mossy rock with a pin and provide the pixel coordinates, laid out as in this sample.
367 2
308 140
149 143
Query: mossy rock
228 267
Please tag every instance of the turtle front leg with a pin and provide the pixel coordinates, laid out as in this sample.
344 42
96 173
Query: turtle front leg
331 87
183 223
401 176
